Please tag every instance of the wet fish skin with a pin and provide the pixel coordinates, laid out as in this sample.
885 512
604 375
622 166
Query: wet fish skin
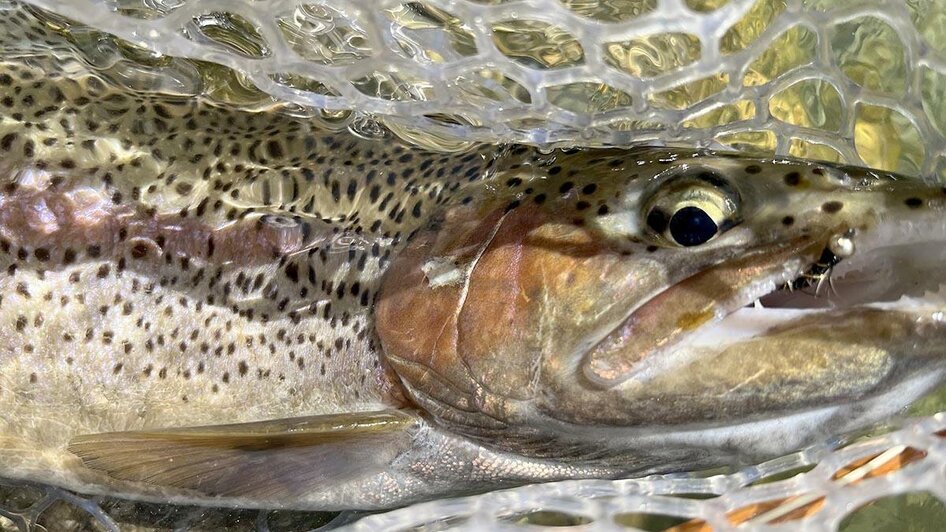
170 264
165 277
565 321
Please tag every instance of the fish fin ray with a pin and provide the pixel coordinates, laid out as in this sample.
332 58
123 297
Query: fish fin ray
280 458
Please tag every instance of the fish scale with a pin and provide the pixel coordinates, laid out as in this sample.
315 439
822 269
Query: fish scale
196 276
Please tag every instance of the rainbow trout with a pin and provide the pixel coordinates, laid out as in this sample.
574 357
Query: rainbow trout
205 305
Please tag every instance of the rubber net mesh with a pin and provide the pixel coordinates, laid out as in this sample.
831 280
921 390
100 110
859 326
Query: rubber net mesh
861 81
847 80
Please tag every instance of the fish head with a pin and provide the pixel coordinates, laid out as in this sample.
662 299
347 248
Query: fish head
612 296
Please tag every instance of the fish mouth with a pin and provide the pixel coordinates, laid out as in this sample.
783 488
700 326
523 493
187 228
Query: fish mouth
899 265
789 341
896 266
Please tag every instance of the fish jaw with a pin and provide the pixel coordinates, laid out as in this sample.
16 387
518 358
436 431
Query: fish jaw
735 342
662 322
557 330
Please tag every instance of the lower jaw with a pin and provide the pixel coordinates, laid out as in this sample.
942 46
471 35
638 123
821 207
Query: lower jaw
755 440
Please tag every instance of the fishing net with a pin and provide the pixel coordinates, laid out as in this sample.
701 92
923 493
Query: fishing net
838 488
853 81
860 81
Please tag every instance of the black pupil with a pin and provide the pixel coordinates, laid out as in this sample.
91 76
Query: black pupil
691 226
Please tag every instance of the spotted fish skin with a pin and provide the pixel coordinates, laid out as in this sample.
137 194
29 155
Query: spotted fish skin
168 263
166 260
218 306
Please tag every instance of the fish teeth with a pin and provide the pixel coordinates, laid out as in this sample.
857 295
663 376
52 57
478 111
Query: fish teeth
757 304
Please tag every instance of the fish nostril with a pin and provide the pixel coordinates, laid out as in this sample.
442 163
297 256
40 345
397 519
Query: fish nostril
913 202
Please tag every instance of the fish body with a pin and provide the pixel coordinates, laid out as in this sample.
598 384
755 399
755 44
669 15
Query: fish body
206 305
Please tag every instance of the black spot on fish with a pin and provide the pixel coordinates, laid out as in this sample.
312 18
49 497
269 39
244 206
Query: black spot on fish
792 179
139 251
7 141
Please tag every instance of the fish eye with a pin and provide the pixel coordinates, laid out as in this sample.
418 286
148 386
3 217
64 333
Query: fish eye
691 211
692 226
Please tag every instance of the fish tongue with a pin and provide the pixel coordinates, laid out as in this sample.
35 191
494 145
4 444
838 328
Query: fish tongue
683 308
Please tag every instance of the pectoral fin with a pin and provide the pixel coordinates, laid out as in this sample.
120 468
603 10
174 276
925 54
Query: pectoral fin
267 459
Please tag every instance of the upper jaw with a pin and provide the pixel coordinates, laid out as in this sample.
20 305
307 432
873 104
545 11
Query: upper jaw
896 265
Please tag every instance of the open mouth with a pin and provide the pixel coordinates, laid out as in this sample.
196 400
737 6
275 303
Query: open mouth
899 265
